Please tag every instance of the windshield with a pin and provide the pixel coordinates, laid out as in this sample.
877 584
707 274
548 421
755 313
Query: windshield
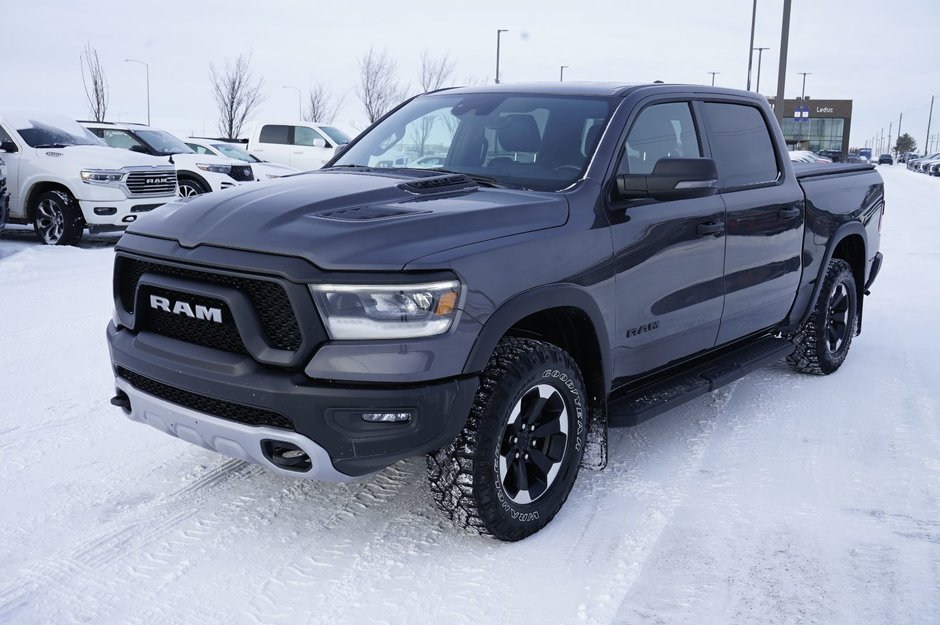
526 141
163 143
53 132
338 136
235 152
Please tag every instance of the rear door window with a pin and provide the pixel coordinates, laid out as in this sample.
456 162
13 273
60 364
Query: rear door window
274 133
741 145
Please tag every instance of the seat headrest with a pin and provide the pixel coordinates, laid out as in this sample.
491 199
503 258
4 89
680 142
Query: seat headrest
519 134
593 136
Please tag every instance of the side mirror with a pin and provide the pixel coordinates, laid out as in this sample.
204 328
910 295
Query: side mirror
8 146
672 179
139 148
319 143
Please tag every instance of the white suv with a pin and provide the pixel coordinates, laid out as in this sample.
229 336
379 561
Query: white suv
264 170
62 179
301 145
197 173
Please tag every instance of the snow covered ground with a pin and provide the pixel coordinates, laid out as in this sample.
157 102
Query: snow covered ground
781 499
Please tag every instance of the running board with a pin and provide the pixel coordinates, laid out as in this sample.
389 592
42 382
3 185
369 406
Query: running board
651 400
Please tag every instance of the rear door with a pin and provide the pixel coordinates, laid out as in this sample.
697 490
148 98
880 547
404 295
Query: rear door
12 160
274 143
669 255
764 208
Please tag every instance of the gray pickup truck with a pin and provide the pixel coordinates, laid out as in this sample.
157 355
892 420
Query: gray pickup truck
587 256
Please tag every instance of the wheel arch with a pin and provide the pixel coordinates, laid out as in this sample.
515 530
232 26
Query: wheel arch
186 173
38 189
849 243
564 315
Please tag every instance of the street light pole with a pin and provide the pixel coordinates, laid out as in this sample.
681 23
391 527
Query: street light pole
300 114
713 77
499 31
750 54
929 119
799 121
561 76
782 71
148 84
760 59
890 129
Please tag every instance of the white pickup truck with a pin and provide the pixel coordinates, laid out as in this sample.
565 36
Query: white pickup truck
301 145
63 180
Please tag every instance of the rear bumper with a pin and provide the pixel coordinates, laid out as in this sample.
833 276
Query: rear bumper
228 402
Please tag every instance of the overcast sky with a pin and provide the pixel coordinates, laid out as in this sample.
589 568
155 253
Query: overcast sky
864 50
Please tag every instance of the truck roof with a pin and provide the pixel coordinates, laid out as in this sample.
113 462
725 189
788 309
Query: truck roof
609 89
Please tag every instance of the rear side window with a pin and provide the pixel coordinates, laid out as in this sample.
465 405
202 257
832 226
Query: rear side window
741 144
273 133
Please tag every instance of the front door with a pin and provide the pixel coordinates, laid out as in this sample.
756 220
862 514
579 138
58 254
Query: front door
12 161
309 150
669 256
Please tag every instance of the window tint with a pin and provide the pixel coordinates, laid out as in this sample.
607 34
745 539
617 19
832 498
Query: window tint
741 144
275 134
305 136
118 138
660 131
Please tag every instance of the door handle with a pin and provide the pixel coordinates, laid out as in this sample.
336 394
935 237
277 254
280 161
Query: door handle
298 152
710 227
788 213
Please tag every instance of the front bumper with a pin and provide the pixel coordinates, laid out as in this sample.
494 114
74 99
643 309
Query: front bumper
323 419
119 213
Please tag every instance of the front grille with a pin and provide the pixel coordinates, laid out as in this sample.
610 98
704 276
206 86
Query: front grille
269 299
241 173
203 332
157 182
230 411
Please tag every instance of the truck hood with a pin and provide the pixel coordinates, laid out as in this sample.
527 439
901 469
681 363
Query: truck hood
101 157
341 220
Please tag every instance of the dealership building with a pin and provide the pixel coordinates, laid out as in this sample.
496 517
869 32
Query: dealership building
817 124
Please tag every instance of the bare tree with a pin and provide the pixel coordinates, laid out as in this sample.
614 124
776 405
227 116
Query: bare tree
322 107
378 88
237 95
97 91
435 73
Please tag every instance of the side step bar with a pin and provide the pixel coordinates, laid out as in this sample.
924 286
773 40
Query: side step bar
648 401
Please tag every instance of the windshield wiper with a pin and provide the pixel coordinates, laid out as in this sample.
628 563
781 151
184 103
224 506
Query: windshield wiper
53 145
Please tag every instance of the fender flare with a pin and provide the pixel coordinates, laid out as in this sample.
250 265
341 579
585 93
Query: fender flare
843 231
533 301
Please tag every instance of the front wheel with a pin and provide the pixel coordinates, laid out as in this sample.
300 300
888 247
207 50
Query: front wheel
189 187
823 342
511 468
57 219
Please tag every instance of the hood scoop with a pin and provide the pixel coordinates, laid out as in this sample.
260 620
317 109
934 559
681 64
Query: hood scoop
448 183
367 213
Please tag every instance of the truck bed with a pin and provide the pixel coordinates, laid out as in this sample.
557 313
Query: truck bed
812 170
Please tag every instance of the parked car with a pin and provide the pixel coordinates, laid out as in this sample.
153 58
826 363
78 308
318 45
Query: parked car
607 253
263 170
197 174
885 159
64 180
922 165
835 155
915 163
427 162
805 156
301 145
903 157
4 195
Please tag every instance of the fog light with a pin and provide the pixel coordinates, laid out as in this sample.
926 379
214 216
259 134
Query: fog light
386 417
105 210
129 219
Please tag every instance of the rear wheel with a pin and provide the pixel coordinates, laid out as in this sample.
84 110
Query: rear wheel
512 466
823 342
57 219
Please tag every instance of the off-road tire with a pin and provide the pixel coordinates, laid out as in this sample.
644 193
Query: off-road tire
57 219
465 475
823 342
191 186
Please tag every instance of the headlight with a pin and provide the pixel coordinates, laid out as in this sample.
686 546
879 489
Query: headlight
219 169
381 311
102 176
